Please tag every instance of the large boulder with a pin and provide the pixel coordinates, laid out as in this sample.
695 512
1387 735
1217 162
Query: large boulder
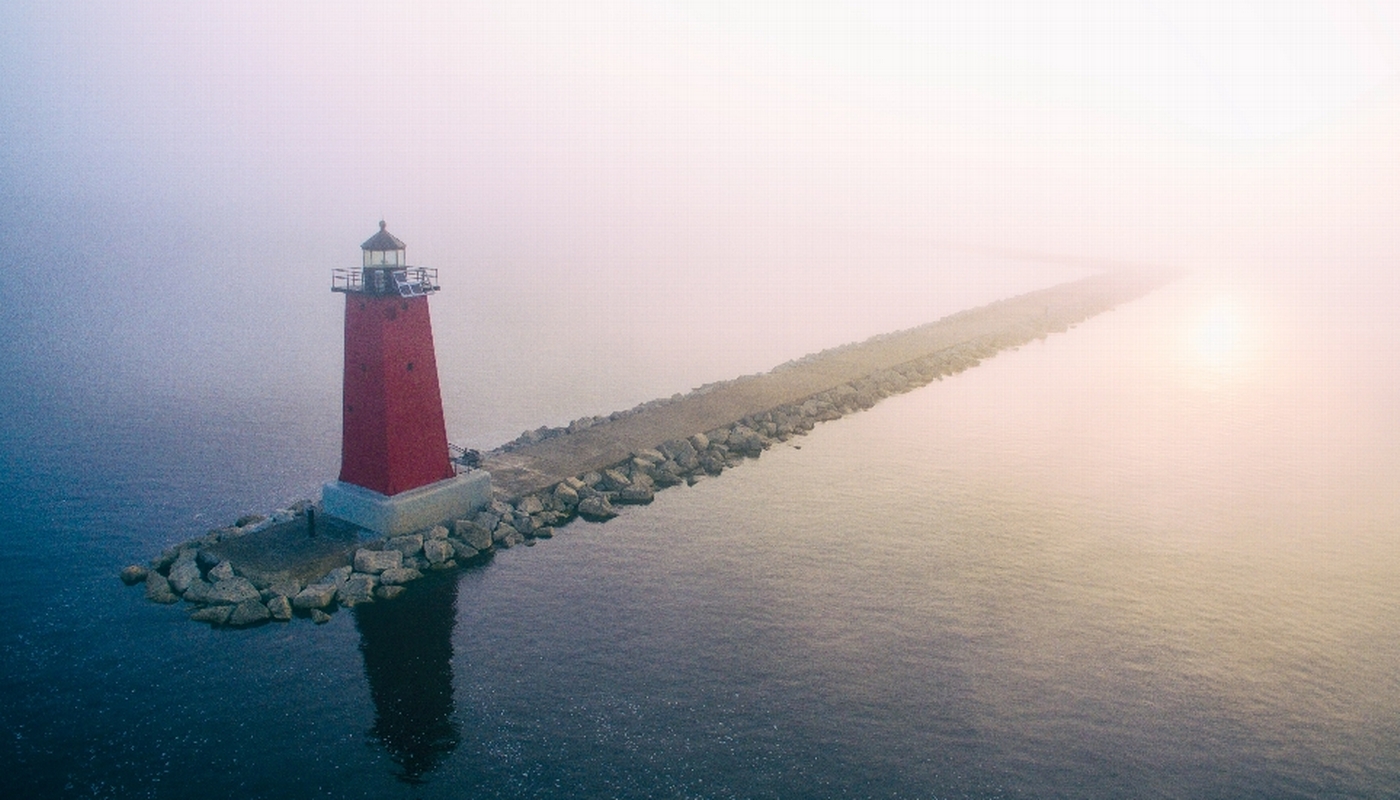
280 608
199 591
613 480
286 586
746 441
373 562
437 551
463 551
596 509
637 494
317 595
248 612
473 534
409 545
530 504
358 589
233 591
438 532
158 589
565 495
222 571
133 575
503 532
398 577
184 571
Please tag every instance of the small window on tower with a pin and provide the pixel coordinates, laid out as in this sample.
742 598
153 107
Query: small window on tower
410 366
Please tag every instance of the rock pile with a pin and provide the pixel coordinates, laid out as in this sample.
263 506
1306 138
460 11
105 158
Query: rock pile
223 596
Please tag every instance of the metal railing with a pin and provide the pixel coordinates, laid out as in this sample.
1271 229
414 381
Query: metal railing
404 282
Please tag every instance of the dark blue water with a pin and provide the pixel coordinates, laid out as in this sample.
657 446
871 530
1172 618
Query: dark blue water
1155 556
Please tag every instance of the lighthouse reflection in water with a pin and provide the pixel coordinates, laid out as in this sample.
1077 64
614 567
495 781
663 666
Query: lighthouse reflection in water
407 647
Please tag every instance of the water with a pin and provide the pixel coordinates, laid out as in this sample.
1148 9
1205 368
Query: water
1155 556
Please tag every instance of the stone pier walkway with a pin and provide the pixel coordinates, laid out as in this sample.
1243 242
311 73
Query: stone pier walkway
520 468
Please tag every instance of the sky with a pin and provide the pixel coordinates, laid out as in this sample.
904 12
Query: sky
167 153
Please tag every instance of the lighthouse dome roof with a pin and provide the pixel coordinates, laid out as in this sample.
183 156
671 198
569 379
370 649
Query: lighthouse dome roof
383 240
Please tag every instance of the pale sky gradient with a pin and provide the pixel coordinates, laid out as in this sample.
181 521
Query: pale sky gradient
558 145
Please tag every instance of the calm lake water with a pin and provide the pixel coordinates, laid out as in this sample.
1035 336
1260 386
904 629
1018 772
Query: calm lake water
1155 556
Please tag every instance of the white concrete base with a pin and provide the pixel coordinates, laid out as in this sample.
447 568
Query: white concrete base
406 512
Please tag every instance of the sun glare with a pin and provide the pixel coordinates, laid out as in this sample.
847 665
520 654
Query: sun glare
1216 336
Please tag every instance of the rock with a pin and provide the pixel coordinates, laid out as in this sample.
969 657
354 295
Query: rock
199 591
285 586
317 595
530 505
523 524
613 481
279 608
746 441
566 495
207 560
503 531
184 571
133 575
233 591
373 562
282 515
665 477
464 551
437 551
249 519
438 532
319 617
474 535
712 462
596 509
222 572
248 613
544 532
214 615
400 576
487 520
388 592
636 495
158 589
408 545
591 479
337 576
700 442
441 566
358 589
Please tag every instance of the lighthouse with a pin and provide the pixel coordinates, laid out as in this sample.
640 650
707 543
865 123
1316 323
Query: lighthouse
396 475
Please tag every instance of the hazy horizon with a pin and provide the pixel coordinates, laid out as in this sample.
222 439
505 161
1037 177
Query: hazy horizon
180 179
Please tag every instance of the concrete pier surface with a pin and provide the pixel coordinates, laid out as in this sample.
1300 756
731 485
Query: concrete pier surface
520 469
289 550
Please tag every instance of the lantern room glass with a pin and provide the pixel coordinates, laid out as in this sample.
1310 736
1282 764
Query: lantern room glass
384 258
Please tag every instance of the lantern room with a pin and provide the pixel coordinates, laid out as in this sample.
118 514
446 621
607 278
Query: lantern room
384 249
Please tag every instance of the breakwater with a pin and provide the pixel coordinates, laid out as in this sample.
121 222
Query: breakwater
274 569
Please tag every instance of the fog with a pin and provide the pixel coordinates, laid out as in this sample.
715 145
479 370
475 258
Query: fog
681 190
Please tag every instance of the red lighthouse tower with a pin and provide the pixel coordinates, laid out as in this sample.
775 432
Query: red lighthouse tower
395 471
